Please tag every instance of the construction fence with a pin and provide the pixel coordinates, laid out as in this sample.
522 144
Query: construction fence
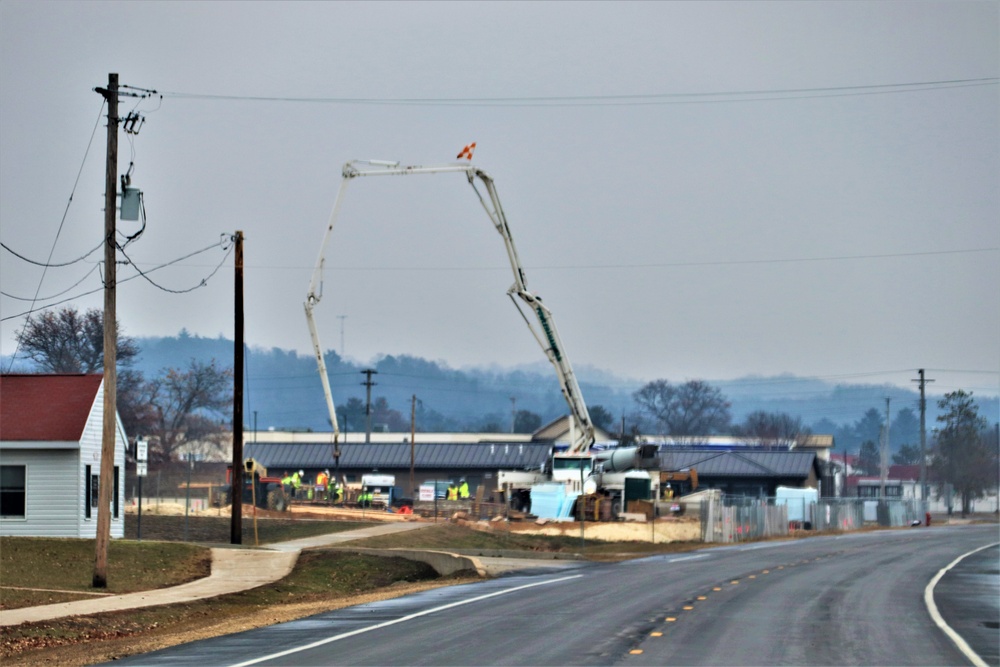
731 519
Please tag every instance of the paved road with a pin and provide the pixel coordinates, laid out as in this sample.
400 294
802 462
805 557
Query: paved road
853 599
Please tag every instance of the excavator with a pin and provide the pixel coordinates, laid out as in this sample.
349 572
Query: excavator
576 464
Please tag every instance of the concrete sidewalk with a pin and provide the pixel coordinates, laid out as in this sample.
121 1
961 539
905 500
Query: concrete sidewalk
233 570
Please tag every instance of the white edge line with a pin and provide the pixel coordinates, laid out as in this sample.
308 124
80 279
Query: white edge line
939 620
677 560
402 619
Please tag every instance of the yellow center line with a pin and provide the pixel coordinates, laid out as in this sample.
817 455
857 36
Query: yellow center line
717 588
688 608
635 651
655 634
670 619
702 597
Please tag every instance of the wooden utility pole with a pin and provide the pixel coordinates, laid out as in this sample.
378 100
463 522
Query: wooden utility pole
923 439
413 436
110 426
236 522
368 372
884 453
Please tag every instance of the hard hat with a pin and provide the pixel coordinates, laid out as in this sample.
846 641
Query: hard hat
327 471
302 472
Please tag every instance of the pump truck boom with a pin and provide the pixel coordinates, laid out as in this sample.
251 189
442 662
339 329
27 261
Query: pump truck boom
544 330
577 468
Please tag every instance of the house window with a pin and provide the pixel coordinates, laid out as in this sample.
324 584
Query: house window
13 497
92 493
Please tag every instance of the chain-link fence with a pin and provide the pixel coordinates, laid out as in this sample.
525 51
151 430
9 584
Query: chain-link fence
193 486
729 519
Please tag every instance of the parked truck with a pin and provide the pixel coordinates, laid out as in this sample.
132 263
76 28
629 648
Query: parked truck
259 489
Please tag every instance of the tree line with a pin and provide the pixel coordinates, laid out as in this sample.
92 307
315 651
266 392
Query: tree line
189 405
192 405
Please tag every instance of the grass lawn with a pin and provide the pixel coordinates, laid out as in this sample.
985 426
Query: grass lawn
320 581
61 570
217 529
65 567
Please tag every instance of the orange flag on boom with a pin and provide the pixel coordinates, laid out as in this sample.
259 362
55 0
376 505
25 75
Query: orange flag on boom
467 151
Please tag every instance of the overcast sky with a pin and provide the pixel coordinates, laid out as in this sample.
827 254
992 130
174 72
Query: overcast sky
677 227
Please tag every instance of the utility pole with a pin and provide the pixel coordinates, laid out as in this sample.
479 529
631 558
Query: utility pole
923 439
110 423
368 402
413 439
884 453
513 412
236 514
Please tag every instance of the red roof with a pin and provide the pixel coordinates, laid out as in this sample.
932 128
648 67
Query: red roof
909 472
46 407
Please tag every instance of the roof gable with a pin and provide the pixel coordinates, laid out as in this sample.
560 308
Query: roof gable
46 407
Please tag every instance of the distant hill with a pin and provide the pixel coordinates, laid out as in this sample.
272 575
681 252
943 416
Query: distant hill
283 391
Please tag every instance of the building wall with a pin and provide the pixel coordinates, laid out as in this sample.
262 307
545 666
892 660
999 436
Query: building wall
90 454
52 501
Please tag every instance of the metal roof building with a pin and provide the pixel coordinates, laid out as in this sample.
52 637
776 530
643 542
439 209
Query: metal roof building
743 472
478 463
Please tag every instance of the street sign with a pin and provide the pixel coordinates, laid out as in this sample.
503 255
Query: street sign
142 450
141 468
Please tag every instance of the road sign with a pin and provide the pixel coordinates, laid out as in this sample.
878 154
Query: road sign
141 468
142 450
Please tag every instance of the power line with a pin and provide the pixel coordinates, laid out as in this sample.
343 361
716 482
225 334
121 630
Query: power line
611 100
49 264
650 265
201 283
53 296
62 222
143 274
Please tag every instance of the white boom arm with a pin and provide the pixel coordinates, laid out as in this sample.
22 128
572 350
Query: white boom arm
582 431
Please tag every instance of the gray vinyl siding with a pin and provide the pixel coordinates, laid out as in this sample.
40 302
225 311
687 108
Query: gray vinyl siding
52 501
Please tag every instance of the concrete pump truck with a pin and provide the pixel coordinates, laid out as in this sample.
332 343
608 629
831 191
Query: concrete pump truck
576 466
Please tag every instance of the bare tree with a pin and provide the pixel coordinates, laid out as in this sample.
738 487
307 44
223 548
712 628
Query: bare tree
772 426
691 409
189 406
65 341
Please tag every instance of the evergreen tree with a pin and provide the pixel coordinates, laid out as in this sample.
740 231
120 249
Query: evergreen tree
963 455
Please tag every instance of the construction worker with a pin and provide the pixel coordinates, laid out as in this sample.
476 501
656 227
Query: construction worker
463 490
322 480
286 482
452 491
297 482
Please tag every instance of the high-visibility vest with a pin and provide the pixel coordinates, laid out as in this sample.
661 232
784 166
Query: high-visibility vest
463 491
452 493
321 478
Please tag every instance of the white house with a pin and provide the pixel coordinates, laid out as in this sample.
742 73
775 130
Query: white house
50 456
